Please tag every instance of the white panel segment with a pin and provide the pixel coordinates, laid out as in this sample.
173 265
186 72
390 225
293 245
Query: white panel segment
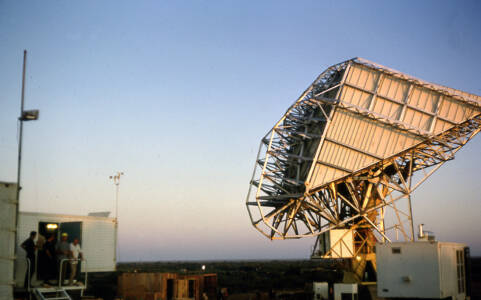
387 108
323 174
454 111
441 126
424 99
417 119
399 99
393 88
99 246
354 142
363 77
356 97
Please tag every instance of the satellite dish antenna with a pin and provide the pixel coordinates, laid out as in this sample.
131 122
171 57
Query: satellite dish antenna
339 164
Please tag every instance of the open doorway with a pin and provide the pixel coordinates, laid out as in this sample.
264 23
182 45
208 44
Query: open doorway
46 229
73 230
170 289
45 266
191 289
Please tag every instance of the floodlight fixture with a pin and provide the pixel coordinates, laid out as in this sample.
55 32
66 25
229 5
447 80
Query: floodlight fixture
52 226
29 115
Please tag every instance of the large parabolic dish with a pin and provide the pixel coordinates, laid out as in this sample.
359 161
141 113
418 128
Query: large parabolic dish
351 150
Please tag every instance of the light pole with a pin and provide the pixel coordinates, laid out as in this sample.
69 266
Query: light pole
116 180
25 115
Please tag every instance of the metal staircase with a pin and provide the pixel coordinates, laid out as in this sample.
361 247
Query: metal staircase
51 293
58 292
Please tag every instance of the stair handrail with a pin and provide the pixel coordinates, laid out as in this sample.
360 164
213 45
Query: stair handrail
28 274
72 259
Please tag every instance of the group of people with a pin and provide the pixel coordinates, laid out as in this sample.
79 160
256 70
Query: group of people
54 259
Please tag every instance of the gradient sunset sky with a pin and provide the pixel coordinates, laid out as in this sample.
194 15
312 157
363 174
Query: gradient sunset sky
177 94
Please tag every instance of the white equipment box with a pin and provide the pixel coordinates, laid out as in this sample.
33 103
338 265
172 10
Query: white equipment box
345 291
321 290
424 269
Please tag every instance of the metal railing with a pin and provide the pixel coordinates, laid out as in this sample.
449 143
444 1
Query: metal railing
28 278
63 262
28 273
60 279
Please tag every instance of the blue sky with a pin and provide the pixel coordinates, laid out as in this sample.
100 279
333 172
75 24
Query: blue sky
177 94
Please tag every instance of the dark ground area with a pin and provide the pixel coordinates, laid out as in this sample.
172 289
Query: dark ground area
241 277
246 276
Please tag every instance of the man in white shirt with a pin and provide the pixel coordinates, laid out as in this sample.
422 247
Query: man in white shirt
76 253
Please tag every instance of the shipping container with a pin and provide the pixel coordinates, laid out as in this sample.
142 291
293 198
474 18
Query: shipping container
97 236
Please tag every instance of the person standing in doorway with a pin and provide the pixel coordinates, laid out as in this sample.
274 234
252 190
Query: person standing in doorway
29 246
51 265
63 252
41 257
76 254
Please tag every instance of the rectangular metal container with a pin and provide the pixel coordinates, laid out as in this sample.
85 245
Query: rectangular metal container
345 291
320 290
425 269
98 240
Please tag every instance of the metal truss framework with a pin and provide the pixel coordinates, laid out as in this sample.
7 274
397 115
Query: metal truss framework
374 202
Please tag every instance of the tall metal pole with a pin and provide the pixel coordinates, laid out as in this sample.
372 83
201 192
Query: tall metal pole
117 200
116 179
19 162
20 134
